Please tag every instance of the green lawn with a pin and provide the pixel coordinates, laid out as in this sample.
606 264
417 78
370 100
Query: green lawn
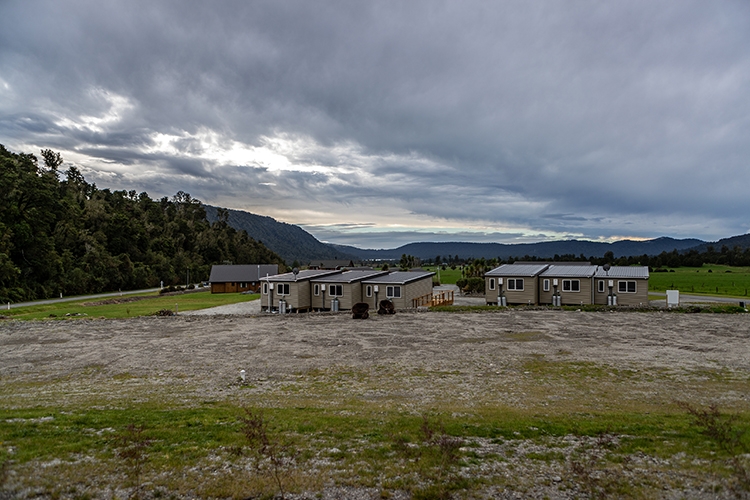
130 305
707 280
447 277
194 448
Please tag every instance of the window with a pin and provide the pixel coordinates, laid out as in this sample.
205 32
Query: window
335 290
601 286
282 288
626 286
316 289
515 284
393 291
265 288
492 283
545 285
368 291
571 286
243 285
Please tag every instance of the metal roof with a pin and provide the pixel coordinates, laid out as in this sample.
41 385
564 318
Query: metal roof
640 272
302 275
350 276
248 272
400 277
569 271
518 270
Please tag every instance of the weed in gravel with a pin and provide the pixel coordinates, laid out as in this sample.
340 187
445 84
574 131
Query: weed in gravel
724 432
440 458
268 447
132 445
591 471
4 466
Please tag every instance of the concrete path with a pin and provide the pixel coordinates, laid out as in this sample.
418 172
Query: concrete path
251 307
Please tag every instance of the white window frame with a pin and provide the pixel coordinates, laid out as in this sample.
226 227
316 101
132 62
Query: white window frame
492 283
569 285
393 292
265 288
335 290
316 289
368 291
513 284
545 285
601 286
282 289
623 286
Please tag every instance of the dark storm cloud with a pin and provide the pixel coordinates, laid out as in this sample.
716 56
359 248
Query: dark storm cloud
545 119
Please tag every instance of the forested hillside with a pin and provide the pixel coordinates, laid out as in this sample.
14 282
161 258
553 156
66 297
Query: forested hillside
291 242
61 234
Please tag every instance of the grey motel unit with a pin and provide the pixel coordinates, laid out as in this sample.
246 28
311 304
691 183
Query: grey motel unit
562 285
289 291
627 284
513 284
400 287
340 291
567 284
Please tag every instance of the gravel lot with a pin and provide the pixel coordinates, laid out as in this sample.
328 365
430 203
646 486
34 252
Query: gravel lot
409 362
209 351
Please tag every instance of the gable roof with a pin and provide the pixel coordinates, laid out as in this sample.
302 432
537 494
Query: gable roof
349 276
305 275
637 272
517 270
246 272
400 277
568 271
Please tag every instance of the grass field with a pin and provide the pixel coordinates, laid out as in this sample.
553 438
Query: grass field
202 450
721 280
128 306
447 277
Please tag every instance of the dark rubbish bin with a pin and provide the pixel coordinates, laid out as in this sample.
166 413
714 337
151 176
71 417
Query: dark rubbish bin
360 310
386 307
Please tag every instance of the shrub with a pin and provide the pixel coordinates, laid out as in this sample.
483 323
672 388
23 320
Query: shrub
475 285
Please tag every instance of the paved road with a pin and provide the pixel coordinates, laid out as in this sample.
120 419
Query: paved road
698 299
79 297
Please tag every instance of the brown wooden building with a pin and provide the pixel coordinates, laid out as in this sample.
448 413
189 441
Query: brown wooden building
239 278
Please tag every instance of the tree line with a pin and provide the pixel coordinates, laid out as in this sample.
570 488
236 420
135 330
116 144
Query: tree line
62 235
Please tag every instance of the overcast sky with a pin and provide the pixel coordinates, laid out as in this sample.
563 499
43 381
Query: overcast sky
379 123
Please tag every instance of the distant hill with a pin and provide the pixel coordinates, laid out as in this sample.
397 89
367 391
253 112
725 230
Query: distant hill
287 240
294 243
742 241
543 250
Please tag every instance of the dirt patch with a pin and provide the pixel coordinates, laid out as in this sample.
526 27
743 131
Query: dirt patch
119 300
486 351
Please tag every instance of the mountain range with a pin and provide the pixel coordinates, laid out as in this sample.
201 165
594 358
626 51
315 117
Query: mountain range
293 243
